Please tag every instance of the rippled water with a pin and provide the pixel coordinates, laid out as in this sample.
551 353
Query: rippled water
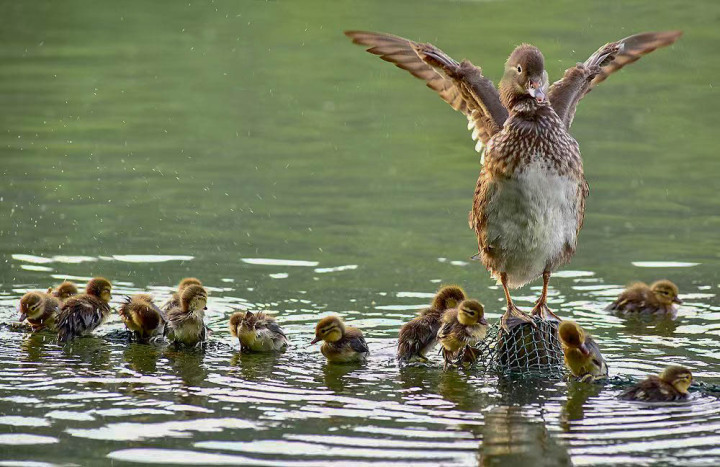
250 145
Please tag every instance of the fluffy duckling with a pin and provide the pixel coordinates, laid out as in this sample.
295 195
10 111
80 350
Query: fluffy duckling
462 328
418 336
582 354
185 323
670 385
342 343
257 332
63 291
142 317
658 298
174 300
82 314
40 310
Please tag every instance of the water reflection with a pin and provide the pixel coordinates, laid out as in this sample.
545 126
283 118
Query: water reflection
577 396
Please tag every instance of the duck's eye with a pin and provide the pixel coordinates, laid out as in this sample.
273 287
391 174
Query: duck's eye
596 362
519 69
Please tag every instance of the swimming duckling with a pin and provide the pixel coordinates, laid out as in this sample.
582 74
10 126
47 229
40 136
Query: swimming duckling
342 343
582 354
418 336
670 385
40 310
82 314
257 332
174 300
658 298
185 323
462 328
63 291
142 317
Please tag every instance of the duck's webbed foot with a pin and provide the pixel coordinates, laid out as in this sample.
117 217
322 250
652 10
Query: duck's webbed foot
513 317
541 309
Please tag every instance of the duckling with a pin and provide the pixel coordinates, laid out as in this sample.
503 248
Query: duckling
342 343
462 328
670 385
63 291
185 323
257 332
40 310
174 300
418 336
582 354
82 314
142 317
658 298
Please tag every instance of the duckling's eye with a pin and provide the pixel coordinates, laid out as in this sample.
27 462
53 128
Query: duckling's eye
519 69
596 362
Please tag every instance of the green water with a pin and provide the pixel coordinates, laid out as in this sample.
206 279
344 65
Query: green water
148 141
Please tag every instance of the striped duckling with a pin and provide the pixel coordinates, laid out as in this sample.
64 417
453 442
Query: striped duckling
257 332
670 385
341 344
462 328
63 291
142 317
40 310
185 322
582 354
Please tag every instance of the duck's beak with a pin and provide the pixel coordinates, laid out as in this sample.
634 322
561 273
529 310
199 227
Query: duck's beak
315 341
482 321
535 89
584 350
22 317
677 300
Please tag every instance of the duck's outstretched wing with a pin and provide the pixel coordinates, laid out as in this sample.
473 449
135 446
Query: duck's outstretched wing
461 85
579 80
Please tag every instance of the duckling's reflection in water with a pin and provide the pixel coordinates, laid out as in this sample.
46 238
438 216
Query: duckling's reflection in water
524 390
142 357
335 375
90 350
512 438
33 345
187 364
254 366
650 325
578 394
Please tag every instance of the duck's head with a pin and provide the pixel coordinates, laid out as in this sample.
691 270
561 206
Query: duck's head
678 376
666 292
329 329
193 298
65 290
471 312
573 336
448 297
236 320
188 281
525 76
31 306
99 287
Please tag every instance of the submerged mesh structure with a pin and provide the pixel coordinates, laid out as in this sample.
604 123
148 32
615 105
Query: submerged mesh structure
526 349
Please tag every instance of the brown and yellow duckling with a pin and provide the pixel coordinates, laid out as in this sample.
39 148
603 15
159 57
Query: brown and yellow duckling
582 354
462 328
257 332
63 291
418 336
185 322
670 385
342 344
40 310
174 300
658 298
142 317
82 314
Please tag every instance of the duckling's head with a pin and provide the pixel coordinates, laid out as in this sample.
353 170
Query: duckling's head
235 321
329 329
65 290
31 306
471 312
99 287
572 336
142 297
525 76
666 292
188 281
448 297
678 376
194 298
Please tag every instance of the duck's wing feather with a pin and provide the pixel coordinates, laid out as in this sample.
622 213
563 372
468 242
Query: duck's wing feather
462 85
579 80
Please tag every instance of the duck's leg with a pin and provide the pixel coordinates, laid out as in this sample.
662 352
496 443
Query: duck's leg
513 315
541 309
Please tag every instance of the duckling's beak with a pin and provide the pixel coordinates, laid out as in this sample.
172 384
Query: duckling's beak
584 350
315 341
482 321
677 300
23 316
535 89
